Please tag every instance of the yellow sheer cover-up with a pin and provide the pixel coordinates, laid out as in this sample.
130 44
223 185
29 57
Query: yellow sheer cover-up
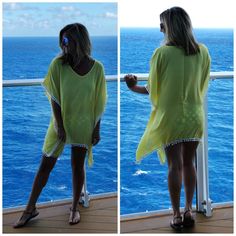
177 85
82 100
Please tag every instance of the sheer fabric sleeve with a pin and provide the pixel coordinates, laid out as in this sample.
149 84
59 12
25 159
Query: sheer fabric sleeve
206 74
51 82
153 78
100 96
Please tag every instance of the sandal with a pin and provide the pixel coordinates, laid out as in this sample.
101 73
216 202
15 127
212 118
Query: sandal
176 226
24 220
73 215
189 220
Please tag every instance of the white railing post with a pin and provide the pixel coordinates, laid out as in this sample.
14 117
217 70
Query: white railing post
203 199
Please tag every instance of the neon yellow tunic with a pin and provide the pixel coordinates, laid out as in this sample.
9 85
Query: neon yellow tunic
82 100
177 85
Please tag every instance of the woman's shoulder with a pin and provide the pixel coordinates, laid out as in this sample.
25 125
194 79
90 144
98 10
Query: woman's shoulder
204 50
98 64
99 68
164 49
158 50
56 63
203 47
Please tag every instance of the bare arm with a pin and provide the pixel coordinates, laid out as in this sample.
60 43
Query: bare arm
96 134
131 81
57 114
139 89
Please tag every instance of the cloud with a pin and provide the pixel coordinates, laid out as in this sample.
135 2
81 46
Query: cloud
13 6
48 18
110 15
5 21
68 8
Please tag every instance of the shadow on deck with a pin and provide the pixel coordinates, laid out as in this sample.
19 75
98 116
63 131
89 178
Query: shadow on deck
100 217
220 222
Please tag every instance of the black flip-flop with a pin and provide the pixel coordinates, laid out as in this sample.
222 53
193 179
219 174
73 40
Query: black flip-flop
176 226
31 214
188 222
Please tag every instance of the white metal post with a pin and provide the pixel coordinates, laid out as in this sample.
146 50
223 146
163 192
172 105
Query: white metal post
203 199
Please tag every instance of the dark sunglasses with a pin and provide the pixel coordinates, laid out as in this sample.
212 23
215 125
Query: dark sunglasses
162 26
65 41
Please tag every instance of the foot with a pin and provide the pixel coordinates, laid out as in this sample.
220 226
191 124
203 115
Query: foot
26 217
188 220
74 217
176 223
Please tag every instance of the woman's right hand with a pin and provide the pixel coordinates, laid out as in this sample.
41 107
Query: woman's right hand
61 133
131 80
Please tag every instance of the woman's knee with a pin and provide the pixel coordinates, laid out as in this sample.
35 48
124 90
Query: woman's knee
174 157
78 151
189 153
78 158
176 167
47 164
77 167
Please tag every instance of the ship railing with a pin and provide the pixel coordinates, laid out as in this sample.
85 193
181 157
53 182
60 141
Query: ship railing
84 198
203 201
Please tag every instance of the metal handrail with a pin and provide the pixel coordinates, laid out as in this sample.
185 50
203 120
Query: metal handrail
36 82
213 75
141 77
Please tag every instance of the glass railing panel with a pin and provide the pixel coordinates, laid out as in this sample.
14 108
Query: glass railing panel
220 140
26 115
144 187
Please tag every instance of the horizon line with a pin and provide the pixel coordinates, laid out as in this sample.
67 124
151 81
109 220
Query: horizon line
48 36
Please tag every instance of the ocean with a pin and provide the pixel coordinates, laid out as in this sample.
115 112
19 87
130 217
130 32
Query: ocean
26 115
144 186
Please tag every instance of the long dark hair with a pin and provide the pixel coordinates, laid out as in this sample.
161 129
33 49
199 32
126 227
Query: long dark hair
79 44
178 30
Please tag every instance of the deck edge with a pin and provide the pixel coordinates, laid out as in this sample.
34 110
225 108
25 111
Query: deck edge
165 212
60 202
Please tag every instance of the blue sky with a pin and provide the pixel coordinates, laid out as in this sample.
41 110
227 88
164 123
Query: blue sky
203 13
46 19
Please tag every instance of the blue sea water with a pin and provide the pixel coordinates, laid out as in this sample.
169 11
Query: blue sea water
144 186
26 115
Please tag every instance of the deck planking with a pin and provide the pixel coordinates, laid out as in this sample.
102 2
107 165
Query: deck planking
220 222
100 217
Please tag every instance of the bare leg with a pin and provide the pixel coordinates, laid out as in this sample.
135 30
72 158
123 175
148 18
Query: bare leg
41 178
175 165
189 171
77 163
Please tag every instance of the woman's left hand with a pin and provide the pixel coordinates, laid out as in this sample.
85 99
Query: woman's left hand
96 136
131 80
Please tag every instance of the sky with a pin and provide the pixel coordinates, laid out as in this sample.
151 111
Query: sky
46 19
101 18
203 13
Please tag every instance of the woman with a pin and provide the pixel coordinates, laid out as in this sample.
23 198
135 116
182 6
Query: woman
76 89
177 83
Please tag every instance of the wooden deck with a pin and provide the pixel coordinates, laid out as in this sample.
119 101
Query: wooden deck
100 217
220 222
